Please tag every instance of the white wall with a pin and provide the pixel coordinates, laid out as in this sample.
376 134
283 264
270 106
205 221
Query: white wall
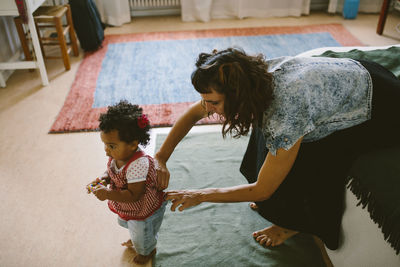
366 6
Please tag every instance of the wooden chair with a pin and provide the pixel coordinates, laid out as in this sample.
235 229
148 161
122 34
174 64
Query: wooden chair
51 17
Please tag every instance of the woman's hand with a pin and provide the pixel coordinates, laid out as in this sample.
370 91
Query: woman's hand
183 199
181 127
162 174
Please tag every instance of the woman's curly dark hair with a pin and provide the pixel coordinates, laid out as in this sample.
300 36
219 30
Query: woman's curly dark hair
243 79
128 120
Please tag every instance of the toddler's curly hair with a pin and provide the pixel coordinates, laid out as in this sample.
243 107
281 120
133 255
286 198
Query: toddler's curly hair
128 120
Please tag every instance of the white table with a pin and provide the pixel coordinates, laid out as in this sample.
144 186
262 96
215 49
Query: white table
9 8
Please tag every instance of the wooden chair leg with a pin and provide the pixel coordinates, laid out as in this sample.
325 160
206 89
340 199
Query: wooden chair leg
22 38
383 16
72 36
39 34
63 43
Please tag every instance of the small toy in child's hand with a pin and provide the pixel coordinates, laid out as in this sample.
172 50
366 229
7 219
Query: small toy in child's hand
95 185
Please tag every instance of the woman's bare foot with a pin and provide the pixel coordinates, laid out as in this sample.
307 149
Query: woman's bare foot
141 259
253 206
273 235
127 244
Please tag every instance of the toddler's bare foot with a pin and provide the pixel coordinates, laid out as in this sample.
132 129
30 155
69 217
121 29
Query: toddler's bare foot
127 244
141 259
273 235
253 206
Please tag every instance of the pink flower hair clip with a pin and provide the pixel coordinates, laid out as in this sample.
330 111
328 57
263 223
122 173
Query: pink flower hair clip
143 121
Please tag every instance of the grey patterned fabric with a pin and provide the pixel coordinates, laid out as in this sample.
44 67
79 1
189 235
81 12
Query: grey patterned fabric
313 97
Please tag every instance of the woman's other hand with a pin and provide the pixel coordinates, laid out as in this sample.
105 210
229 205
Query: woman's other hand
162 174
183 199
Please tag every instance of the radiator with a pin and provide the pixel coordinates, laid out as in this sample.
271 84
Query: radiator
154 7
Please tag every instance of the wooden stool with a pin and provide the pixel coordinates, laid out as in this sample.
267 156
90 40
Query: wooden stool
51 17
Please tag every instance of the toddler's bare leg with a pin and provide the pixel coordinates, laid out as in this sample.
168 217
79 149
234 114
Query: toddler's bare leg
273 235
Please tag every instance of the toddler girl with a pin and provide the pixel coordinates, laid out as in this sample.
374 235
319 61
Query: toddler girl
130 180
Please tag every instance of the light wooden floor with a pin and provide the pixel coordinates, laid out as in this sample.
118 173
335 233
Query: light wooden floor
47 219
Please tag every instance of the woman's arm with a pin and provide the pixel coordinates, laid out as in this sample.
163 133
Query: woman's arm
271 175
182 126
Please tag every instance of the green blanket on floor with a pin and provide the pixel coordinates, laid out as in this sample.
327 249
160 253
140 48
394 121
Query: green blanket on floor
219 234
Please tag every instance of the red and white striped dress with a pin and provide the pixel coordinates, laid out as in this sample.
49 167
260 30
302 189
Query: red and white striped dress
147 204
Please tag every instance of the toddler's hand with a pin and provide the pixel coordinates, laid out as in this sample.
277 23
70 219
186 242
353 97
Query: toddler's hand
101 192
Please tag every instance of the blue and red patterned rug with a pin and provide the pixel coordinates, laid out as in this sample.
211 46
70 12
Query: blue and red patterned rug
153 69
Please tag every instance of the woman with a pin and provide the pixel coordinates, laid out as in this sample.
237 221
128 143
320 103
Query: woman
309 119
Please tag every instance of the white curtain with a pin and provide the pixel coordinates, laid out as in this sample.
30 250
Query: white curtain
115 12
205 10
366 6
